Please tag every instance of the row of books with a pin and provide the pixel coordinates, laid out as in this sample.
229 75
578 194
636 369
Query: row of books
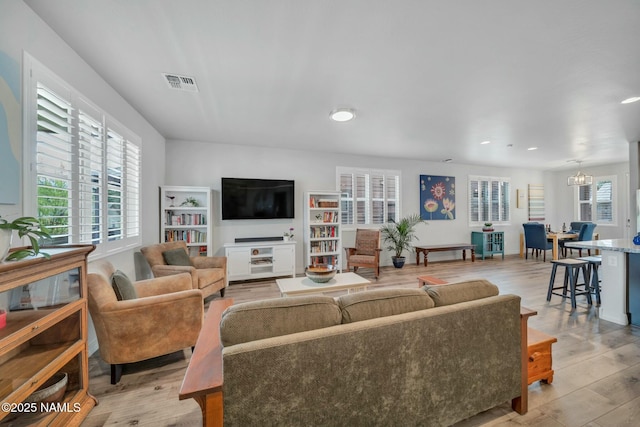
327 217
186 219
315 202
189 236
323 231
325 259
324 246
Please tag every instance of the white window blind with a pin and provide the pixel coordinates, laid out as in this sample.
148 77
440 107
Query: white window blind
85 178
596 202
369 196
54 163
489 200
90 177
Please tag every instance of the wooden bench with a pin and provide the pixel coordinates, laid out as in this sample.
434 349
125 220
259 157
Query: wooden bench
439 248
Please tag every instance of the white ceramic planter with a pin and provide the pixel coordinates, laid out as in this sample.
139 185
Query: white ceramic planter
5 242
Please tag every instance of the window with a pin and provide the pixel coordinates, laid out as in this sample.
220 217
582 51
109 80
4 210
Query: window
602 209
84 179
369 197
489 200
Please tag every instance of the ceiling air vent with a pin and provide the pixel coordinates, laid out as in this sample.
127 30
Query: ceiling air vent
185 83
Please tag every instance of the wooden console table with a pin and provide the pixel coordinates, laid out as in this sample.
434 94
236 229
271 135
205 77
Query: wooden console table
203 379
439 248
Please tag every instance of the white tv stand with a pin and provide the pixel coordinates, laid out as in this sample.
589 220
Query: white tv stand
257 260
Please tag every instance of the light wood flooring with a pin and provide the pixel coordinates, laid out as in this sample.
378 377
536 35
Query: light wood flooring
596 363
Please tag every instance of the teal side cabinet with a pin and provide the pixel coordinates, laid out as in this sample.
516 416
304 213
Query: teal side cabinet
488 243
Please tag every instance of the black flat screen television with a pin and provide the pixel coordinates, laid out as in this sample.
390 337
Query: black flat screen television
244 198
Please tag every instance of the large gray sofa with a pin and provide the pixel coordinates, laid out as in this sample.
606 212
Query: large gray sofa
391 357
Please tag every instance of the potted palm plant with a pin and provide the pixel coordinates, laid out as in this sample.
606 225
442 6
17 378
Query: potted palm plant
25 226
399 235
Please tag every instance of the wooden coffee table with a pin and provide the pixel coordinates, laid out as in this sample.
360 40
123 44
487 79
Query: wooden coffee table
303 285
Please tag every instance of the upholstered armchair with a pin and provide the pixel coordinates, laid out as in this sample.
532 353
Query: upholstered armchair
535 238
160 316
209 274
366 252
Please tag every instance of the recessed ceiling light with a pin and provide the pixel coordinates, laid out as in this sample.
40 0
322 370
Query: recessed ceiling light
342 114
532 148
485 142
630 100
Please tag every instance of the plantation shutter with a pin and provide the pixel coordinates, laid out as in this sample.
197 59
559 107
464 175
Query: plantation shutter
474 201
361 198
584 203
392 189
90 177
133 190
347 199
54 163
377 199
604 201
489 200
369 197
505 203
115 169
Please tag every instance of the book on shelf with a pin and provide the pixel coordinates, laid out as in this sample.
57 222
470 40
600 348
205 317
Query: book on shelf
327 203
185 219
325 259
189 236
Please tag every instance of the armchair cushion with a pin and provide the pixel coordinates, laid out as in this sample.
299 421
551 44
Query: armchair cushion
122 286
176 257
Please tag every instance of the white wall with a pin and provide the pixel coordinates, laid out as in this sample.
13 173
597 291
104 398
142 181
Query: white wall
21 30
203 164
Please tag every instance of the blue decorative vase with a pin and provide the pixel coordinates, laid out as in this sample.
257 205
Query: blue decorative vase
636 240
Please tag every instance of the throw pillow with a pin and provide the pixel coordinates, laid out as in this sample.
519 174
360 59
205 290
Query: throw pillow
176 257
122 286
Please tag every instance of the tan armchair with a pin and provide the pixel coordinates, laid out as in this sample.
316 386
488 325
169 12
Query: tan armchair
165 317
209 274
367 251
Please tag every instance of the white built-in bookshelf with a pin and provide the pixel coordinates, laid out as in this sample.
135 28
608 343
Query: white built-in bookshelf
185 214
322 228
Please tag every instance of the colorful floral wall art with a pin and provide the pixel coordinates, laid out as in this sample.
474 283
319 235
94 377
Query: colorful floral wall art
437 197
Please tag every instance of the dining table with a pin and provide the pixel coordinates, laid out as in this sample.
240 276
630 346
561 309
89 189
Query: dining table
555 237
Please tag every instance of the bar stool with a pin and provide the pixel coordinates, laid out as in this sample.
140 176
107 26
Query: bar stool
572 268
592 274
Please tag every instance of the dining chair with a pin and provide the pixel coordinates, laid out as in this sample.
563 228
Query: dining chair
535 238
585 233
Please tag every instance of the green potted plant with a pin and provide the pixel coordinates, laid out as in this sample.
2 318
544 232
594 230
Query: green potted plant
399 235
25 226
487 226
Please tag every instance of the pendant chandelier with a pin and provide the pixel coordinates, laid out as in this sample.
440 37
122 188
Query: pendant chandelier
580 178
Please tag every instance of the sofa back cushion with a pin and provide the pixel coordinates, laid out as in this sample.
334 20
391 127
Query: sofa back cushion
453 293
383 302
275 317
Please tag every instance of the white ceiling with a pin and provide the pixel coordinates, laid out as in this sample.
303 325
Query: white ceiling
429 79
